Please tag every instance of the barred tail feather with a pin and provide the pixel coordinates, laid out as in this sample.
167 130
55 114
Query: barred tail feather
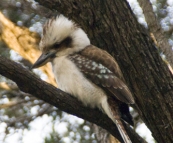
122 132
111 109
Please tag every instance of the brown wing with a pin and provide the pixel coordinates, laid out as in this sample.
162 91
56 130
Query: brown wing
100 67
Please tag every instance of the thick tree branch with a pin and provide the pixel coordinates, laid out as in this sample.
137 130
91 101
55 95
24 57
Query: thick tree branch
156 30
29 83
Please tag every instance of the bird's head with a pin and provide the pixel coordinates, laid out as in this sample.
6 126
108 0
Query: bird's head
61 37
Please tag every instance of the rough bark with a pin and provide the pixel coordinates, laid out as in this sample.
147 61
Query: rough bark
29 83
156 31
111 25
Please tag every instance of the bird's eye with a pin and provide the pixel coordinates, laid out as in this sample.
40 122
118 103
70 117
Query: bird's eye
56 45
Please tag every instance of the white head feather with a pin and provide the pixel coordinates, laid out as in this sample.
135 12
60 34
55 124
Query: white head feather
57 29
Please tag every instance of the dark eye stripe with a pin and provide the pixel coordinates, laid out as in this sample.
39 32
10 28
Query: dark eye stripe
67 42
56 45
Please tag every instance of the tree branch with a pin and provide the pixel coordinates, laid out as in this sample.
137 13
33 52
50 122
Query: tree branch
29 83
156 30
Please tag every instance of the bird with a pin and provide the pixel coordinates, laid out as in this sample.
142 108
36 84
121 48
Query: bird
85 71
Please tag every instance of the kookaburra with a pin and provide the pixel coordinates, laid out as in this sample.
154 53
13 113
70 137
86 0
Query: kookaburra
85 71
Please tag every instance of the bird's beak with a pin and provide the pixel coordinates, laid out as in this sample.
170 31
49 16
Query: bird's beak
43 59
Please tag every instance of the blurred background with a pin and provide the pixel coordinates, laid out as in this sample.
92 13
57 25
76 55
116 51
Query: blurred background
24 118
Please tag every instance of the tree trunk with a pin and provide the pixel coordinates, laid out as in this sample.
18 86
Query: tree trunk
112 26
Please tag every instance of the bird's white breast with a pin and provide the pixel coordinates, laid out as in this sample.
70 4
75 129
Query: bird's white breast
72 81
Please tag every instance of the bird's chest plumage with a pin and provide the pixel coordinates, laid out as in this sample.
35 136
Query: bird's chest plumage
72 81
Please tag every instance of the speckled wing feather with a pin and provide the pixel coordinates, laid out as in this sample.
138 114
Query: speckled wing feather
100 67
